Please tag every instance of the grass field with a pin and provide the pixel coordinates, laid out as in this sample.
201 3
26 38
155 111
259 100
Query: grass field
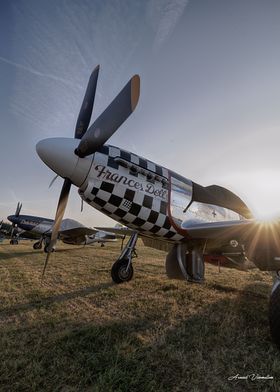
80 332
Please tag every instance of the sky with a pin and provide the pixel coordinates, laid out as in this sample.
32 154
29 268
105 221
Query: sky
209 107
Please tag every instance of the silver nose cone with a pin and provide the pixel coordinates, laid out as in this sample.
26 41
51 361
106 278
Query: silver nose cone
58 154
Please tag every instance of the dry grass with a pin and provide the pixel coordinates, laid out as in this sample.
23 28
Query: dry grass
80 332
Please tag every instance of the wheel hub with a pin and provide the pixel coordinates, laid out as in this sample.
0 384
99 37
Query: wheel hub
124 272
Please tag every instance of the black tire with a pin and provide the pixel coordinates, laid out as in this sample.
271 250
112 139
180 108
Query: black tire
37 245
119 273
46 248
14 242
274 316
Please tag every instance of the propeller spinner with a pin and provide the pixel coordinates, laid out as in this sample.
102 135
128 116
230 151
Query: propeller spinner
70 157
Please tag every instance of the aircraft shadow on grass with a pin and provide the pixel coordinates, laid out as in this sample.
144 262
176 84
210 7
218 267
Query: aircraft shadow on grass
18 255
6 256
203 334
202 338
46 301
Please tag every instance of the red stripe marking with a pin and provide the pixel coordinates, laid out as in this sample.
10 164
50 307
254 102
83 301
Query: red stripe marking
179 230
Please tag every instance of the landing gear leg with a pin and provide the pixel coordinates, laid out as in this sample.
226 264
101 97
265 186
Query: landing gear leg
186 264
47 242
274 309
122 269
13 240
191 263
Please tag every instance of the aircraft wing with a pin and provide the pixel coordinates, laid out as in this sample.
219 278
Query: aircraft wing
118 231
72 227
76 232
260 240
226 230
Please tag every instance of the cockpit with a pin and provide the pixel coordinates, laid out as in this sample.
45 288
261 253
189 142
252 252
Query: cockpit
191 203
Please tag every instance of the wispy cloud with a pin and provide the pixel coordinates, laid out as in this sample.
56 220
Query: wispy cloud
164 15
38 73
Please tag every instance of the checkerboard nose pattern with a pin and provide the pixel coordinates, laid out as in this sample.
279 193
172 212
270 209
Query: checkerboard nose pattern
130 197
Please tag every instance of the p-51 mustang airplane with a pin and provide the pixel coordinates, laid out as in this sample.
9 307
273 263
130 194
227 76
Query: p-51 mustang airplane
70 232
169 211
14 232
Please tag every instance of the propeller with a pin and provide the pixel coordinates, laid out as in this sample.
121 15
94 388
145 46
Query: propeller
62 202
87 105
95 136
111 119
17 212
81 127
53 180
18 209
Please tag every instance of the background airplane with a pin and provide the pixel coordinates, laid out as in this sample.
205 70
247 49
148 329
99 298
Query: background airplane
169 211
12 232
70 232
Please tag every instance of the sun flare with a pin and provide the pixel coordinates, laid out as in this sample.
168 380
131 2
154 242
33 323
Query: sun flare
260 190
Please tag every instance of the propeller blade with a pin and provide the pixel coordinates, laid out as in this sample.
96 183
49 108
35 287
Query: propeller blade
87 105
18 209
46 263
111 119
63 198
53 180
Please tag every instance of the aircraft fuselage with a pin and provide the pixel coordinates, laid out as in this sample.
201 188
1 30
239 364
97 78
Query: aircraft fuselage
145 196
32 223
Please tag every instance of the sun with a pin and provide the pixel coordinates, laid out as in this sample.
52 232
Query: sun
259 189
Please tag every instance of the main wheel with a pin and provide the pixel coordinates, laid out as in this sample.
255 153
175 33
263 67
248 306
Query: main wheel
14 242
120 273
46 248
37 245
274 315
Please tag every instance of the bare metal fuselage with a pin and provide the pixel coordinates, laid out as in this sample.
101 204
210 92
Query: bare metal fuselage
145 196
